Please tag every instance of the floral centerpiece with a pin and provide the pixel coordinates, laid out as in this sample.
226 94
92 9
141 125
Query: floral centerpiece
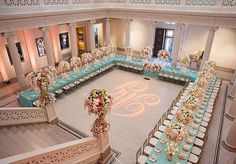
185 116
105 51
113 48
99 102
128 51
192 103
75 62
86 58
152 67
197 92
97 54
63 67
146 52
176 132
163 54
41 80
202 82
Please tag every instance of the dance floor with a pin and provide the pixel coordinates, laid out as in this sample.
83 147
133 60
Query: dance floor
138 105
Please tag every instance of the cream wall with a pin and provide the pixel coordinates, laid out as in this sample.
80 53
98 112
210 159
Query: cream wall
195 39
139 34
19 37
30 37
118 32
224 48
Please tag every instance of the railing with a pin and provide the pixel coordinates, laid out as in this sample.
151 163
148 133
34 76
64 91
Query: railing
79 151
13 116
40 6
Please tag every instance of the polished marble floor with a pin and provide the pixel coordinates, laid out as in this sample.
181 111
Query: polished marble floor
138 105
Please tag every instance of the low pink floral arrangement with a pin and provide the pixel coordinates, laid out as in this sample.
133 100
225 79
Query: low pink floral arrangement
176 132
75 63
97 54
86 58
63 67
185 116
192 103
105 51
146 51
113 48
42 78
152 67
163 54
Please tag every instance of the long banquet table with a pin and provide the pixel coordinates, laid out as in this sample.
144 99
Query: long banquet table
27 98
162 156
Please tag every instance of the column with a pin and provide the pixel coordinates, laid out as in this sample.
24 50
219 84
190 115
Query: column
127 33
230 141
233 90
184 33
151 33
92 35
73 39
234 77
108 31
208 46
16 60
48 46
176 43
232 110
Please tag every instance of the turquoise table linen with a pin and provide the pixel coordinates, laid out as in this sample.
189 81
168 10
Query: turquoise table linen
28 97
162 156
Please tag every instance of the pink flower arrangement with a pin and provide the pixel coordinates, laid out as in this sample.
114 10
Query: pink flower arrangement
43 78
163 54
97 54
98 102
147 51
152 67
112 48
45 100
75 62
176 132
63 67
86 58
105 51
192 103
185 116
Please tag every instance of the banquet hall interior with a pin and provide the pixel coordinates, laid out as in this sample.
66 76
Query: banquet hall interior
118 81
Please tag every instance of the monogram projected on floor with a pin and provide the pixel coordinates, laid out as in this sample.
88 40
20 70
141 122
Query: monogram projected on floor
131 98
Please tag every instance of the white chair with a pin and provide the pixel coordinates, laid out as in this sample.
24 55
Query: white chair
193 158
202 129
207 119
166 122
162 128
204 124
196 150
170 117
158 134
207 115
200 135
142 159
153 141
173 112
198 142
148 149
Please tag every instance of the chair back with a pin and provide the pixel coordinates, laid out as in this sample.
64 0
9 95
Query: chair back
138 153
163 118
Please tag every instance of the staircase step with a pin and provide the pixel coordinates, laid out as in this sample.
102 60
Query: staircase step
26 140
50 132
17 139
33 137
41 134
9 145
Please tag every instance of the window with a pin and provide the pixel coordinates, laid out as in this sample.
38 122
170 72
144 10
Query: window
168 40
